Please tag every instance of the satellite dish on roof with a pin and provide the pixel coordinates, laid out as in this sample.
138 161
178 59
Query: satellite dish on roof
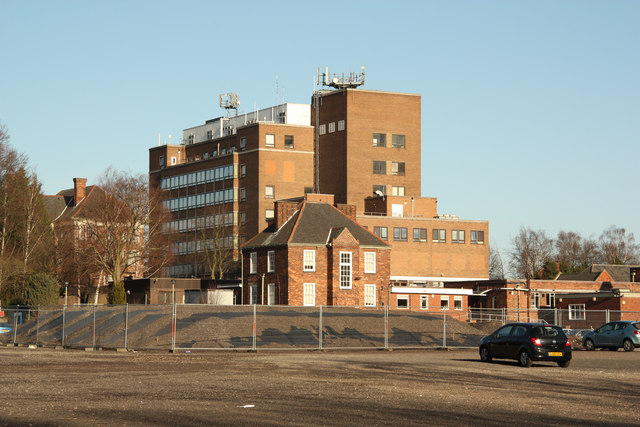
378 193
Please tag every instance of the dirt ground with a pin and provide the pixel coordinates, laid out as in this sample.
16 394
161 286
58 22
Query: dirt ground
370 387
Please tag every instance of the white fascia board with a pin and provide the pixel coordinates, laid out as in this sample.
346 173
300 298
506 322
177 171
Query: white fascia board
429 291
435 279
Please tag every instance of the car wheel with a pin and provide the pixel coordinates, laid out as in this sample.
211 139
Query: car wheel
485 355
627 345
524 359
564 364
588 345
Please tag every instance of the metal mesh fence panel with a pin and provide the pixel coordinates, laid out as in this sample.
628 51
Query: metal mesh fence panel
109 326
287 327
213 327
149 327
353 327
277 327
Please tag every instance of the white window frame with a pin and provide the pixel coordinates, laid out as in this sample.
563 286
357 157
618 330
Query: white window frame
253 294
456 300
269 191
576 311
370 295
332 127
269 214
271 294
271 261
253 263
404 298
444 298
309 294
322 129
346 276
309 264
340 125
270 140
370 262
424 302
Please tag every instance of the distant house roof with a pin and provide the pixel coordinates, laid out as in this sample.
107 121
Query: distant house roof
62 206
619 273
314 224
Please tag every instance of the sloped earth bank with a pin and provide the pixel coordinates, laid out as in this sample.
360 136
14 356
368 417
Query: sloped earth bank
207 327
366 387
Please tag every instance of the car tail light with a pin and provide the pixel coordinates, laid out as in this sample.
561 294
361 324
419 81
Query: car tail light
536 341
568 344
636 332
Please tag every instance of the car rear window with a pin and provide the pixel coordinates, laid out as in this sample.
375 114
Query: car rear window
637 325
547 332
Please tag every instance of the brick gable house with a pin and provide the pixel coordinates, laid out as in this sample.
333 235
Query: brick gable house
314 254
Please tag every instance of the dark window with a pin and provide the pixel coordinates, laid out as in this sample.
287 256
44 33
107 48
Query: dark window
400 234
397 168
379 167
397 141
288 141
379 140
381 232
419 234
381 188
439 235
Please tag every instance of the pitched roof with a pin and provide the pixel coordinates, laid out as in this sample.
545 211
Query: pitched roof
619 273
314 224
62 206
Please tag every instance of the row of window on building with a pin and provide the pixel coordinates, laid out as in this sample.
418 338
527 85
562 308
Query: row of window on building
322 129
380 140
438 235
204 176
309 264
199 246
204 222
402 302
380 168
228 195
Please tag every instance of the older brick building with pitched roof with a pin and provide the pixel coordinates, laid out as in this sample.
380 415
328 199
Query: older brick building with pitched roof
315 254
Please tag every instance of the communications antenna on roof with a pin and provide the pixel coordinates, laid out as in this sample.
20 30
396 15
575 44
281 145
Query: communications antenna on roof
341 81
230 101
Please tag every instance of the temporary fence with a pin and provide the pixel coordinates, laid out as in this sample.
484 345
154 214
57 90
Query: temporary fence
258 327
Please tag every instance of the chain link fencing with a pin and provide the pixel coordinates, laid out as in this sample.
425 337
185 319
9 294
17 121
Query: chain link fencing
258 327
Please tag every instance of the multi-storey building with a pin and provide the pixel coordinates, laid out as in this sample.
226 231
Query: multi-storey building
362 146
369 143
369 156
222 181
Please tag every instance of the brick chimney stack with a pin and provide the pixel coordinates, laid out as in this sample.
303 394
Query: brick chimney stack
79 190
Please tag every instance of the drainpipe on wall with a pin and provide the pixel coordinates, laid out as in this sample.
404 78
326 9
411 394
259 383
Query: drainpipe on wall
262 294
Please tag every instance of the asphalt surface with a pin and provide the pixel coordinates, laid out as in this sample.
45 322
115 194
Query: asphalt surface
374 387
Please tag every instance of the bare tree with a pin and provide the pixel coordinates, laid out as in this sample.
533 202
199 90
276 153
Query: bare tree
496 267
122 232
531 249
618 247
215 241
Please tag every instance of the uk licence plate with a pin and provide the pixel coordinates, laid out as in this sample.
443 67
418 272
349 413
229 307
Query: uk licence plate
555 354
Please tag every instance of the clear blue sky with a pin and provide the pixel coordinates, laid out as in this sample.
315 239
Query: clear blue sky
530 109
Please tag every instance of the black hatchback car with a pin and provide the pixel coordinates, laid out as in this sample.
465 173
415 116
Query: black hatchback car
526 343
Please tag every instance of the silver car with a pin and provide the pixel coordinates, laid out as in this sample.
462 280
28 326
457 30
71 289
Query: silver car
614 335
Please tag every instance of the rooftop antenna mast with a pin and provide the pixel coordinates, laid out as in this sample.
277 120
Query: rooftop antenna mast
230 101
337 81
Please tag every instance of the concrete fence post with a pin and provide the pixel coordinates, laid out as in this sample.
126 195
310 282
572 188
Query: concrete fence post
607 316
444 328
